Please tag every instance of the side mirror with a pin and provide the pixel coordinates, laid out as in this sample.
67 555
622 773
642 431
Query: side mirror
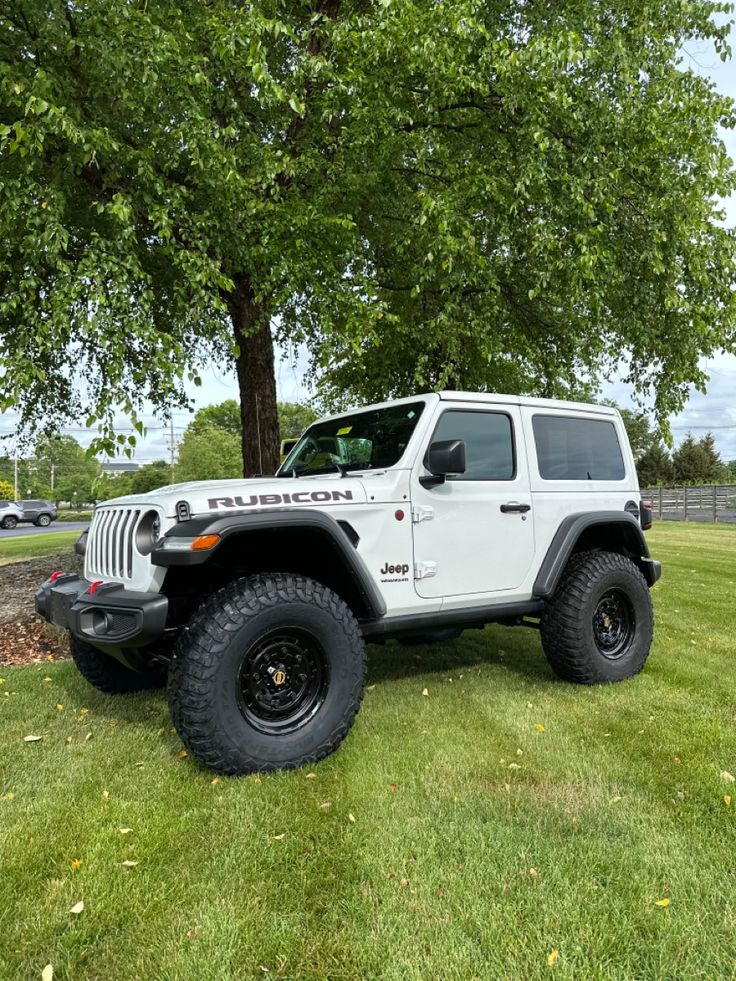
445 457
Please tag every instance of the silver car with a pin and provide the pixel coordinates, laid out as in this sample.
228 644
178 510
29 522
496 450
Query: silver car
37 512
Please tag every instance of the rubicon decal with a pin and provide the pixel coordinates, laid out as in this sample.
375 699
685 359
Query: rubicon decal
301 497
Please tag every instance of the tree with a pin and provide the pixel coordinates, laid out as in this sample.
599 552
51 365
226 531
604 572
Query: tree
697 462
211 454
111 485
225 416
654 466
294 419
732 470
152 476
7 492
62 470
481 194
715 469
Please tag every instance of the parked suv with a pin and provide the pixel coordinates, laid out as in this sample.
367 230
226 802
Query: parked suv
40 513
411 520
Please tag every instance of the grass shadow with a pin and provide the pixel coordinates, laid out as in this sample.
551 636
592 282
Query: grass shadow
517 649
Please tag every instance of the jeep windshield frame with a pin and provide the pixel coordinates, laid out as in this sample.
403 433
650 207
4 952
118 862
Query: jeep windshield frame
372 439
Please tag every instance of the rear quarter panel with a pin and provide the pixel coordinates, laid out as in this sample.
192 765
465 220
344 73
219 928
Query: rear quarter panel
554 500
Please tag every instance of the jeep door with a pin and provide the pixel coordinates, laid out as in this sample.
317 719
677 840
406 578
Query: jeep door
474 532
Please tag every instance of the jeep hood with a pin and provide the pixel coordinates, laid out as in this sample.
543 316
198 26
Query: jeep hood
257 493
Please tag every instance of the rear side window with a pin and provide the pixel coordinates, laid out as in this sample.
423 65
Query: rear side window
489 443
569 448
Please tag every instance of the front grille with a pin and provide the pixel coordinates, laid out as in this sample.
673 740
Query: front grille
110 543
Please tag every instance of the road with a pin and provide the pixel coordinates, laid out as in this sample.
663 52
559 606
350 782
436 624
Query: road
21 531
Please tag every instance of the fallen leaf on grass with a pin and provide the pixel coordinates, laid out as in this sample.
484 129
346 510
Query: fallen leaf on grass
729 777
662 902
88 737
514 766
9 796
552 957
77 908
351 819
678 761
75 864
279 837
614 800
125 831
311 776
191 933
48 973
32 739
215 781
326 806
47 679
59 707
129 864
727 800
534 873
539 727
424 691
182 754
106 795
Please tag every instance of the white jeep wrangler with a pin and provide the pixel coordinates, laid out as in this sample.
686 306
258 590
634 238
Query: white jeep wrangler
410 520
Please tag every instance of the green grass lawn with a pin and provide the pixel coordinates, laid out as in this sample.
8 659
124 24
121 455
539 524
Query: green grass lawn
448 838
16 549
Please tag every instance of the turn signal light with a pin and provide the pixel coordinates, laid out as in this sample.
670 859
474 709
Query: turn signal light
202 542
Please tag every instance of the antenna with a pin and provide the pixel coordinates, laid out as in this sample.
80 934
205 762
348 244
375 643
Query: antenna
258 434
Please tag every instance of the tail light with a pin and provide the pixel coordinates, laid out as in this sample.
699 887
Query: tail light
646 514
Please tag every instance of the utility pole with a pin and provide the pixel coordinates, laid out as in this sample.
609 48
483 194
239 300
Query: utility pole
53 474
15 477
172 446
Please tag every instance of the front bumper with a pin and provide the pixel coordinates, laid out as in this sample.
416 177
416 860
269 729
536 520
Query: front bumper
112 615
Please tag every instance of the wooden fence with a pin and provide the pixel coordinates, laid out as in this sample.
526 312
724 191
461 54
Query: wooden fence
716 502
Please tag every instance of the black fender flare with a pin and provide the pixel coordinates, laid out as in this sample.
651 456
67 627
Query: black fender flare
245 522
568 534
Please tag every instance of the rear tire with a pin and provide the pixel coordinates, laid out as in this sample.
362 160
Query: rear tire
269 675
108 675
598 626
8 523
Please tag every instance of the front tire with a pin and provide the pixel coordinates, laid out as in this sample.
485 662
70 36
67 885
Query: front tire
108 675
598 626
269 675
43 520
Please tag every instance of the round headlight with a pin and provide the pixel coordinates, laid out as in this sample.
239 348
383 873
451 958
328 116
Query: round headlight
148 532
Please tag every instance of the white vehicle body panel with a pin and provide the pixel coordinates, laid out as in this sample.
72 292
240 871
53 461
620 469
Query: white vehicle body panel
427 548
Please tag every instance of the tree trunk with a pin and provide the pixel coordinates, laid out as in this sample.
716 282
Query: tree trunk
256 380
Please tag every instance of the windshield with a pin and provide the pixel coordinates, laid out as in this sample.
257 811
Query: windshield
371 440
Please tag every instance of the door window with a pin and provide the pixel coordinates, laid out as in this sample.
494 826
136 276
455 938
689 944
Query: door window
489 443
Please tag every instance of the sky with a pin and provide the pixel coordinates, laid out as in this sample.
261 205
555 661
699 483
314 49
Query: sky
714 411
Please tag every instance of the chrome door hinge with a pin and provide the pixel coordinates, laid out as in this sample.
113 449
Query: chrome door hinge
425 570
421 512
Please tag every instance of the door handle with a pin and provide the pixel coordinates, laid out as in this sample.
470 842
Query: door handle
513 506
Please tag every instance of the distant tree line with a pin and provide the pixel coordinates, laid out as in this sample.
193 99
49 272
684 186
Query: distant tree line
60 470
692 462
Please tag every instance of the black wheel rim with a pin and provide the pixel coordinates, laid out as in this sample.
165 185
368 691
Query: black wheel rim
283 680
614 624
